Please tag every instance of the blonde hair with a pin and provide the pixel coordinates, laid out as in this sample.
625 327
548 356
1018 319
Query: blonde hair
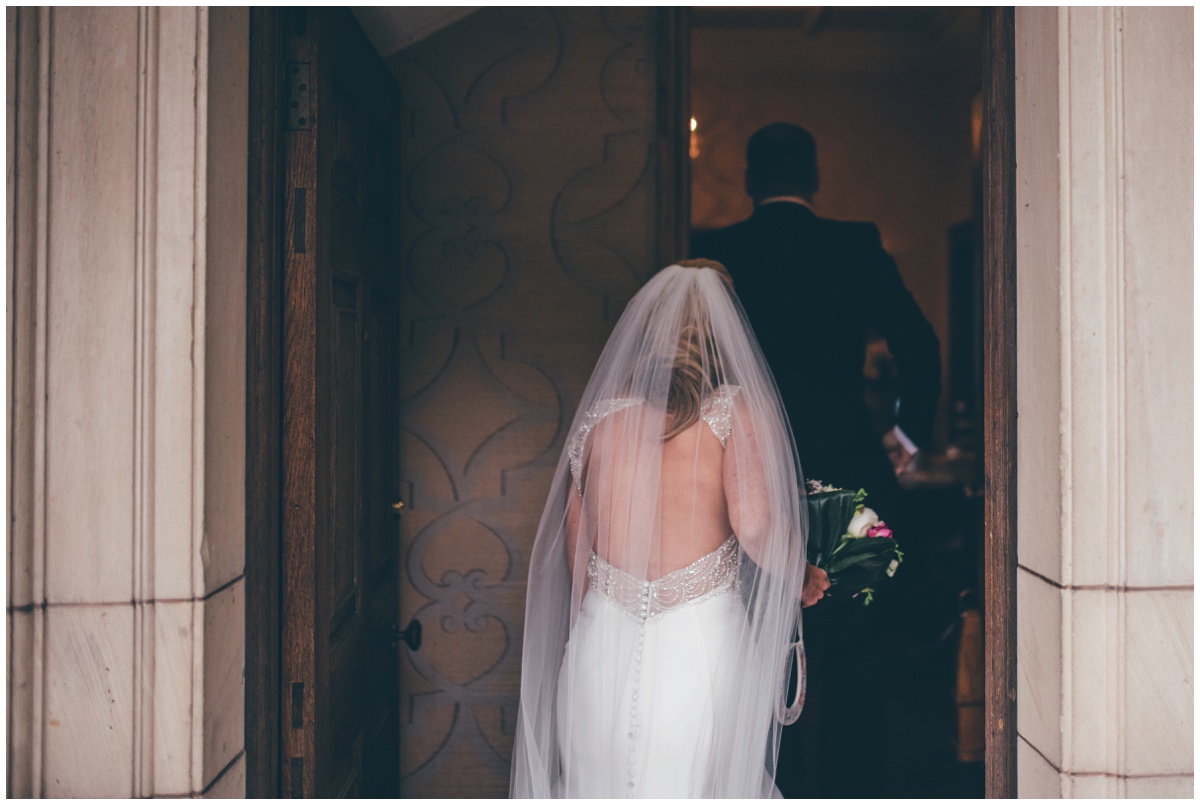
697 368
701 262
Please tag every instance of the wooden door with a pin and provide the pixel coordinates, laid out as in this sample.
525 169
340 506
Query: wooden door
339 724
541 151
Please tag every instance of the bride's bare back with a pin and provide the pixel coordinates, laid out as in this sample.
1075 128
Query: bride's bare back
695 518
680 488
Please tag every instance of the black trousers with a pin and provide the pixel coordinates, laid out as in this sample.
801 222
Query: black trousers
836 747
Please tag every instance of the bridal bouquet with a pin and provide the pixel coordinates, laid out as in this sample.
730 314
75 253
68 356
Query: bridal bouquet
849 541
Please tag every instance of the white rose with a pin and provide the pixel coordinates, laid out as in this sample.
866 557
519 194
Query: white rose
861 522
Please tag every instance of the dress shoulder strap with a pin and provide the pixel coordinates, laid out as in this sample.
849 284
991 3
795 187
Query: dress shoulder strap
717 411
598 412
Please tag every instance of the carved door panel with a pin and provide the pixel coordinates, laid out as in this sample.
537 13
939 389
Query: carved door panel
541 151
340 730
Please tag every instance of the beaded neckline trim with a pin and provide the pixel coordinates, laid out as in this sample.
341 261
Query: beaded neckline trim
643 600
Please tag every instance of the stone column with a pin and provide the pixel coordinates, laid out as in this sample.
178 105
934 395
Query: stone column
126 183
1105 288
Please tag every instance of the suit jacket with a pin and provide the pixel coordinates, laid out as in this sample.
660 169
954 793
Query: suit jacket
810 288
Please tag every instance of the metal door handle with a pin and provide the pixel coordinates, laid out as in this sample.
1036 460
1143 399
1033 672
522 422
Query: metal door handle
410 635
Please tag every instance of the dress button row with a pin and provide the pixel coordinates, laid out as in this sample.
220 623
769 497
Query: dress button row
637 678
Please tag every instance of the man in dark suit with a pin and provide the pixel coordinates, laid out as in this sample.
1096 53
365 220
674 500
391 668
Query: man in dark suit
812 288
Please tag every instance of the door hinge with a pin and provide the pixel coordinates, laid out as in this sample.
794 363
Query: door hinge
299 101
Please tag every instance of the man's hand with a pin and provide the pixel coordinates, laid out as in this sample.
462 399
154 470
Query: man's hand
816 582
899 455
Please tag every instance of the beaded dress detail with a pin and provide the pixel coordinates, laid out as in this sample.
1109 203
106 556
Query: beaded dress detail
718 412
593 418
710 575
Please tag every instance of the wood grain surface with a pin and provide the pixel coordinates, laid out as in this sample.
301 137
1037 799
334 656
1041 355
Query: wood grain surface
264 413
1000 400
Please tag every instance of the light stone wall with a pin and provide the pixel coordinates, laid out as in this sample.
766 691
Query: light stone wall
1105 279
126 183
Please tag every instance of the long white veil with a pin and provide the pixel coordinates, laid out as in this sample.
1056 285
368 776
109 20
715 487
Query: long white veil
658 524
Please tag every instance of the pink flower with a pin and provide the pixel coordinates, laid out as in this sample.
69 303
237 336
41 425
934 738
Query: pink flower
879 530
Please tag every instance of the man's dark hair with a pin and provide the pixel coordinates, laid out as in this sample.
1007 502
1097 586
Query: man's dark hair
781 160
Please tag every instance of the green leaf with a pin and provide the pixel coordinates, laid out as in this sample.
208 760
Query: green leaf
828 515
855 551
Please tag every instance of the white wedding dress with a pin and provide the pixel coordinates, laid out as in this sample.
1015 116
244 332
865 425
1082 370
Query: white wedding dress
664 581
671 688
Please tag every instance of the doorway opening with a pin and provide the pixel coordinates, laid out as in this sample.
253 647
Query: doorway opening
272 459
894 99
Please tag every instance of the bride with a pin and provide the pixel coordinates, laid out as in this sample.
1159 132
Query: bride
666 577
